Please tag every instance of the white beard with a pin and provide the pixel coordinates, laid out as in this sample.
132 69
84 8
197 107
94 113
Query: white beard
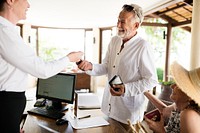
123 34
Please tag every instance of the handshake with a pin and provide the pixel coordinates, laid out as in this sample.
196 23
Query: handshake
84 65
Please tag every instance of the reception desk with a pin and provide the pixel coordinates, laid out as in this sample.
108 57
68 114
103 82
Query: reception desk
39 124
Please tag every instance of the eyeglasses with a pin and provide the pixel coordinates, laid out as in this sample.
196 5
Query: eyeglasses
130 8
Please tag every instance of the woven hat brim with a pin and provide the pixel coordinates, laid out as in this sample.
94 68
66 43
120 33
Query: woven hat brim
182 79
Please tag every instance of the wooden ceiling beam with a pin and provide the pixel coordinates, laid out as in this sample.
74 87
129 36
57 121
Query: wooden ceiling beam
181 24
153 16
168 19
188 2
180 15
171 9
174 23
154 24
164 5
187 28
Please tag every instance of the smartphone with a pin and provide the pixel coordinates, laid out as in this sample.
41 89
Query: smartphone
40 102
116 80
153 115
79 62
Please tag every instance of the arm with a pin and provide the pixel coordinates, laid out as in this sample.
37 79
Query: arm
93 69
167 111
189 121
75 56
22 57
96 69
155 101
143 75
163 108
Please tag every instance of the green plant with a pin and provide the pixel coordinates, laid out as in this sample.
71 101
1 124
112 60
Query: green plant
160 74
160 77
167 82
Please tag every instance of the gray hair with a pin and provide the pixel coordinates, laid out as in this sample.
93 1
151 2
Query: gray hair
2 2
139 16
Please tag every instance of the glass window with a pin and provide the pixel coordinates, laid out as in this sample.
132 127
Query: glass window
179 49
88 45
154 35
33 40
53 43
106 35
56 43
181 46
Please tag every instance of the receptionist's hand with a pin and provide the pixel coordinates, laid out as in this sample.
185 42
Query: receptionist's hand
117 90
75 56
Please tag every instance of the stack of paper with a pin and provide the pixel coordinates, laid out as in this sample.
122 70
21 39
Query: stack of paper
88 101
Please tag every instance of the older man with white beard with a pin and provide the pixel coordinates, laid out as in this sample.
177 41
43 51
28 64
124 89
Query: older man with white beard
130 57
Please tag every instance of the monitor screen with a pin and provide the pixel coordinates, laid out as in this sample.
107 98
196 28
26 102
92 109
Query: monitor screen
58 88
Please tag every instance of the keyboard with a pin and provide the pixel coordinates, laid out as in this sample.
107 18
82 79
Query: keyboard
46 113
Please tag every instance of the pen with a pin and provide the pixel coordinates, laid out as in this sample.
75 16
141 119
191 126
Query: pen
87 116
47 128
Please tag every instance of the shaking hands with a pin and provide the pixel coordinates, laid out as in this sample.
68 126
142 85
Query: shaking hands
75 56
84 65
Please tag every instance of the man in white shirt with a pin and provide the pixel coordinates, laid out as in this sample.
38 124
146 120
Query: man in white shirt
17 60
130 57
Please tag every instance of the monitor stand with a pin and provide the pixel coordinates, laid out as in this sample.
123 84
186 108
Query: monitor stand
57 106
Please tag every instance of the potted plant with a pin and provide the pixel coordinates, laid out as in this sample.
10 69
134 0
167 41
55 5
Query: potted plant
165 90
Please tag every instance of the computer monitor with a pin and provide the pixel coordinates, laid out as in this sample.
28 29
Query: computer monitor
57 89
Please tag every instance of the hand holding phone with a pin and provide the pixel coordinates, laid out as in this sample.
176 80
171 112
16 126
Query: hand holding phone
116 80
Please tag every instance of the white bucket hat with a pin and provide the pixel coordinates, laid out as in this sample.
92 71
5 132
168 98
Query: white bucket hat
187 81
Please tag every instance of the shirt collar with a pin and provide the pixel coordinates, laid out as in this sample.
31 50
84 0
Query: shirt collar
5 22
132 39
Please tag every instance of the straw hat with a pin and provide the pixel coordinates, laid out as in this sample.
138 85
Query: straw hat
187 81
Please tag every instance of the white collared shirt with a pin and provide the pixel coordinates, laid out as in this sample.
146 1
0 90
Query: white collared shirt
135 65
17 60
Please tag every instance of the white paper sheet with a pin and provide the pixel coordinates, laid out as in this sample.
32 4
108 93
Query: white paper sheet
87 122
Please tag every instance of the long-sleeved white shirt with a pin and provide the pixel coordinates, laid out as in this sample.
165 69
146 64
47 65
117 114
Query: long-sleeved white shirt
17 60
135 65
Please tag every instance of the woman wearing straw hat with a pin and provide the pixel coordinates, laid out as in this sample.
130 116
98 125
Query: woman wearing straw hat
185 113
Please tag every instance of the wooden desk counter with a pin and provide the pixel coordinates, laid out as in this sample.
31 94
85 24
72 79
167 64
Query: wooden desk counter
39 124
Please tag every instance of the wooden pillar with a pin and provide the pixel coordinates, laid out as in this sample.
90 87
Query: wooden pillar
195 39
167 56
